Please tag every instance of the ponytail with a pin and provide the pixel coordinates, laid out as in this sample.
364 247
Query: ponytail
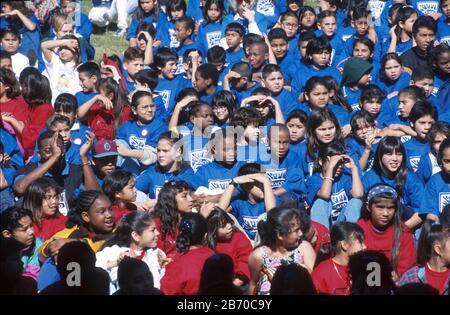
431 232
192 231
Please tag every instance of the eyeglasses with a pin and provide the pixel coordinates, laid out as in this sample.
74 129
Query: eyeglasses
219 109
50 198
289 25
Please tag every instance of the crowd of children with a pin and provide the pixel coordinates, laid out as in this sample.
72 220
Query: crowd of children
235 147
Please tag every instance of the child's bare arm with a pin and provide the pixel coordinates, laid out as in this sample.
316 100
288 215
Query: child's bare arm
269 197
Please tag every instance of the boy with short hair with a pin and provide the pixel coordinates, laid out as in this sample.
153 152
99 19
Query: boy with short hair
89 75
133 62
424 78
258 57
327 23
239 81
272 79
10 40
256 197
184 29
206 78
217 56
234 34
279 44
169 84
423 33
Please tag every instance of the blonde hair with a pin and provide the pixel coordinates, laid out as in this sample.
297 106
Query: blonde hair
59 20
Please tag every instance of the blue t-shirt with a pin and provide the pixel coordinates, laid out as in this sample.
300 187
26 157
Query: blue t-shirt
287 173
414 150
412 187
166 33
352 97
428 166
195 151
287 100
425 7
234 57
437 194
287 67
132 30
168 91
259 19
83 97
180 50
357 150
340 191
11 148
242 94
299 81
215 176
269 9
152 179
400 83
247 214
443 32
253 154
209 35
138 136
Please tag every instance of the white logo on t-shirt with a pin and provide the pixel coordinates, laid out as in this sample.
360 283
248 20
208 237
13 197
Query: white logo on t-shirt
444 199
428 7
213 38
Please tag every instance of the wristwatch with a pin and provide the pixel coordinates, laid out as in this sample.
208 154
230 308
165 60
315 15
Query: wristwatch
232 182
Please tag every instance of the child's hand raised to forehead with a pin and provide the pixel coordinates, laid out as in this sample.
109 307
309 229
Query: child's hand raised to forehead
233 75
244 179
106 102
260 178
71 43
185 101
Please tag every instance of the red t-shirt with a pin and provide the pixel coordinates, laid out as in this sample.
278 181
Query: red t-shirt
331 278
168 244
101 121
16 106
323 235
183 273
437 280
49 226
118 213
383 240
34 123
238 248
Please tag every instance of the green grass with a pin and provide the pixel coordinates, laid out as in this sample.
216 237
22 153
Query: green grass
112 45
107 42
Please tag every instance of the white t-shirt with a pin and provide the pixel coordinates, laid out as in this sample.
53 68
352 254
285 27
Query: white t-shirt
19 62
63 77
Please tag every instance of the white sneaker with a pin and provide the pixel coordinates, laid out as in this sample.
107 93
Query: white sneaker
121 32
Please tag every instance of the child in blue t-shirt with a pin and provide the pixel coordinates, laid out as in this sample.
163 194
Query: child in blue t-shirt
296 123
6 180
184 30
175 9
372 102
335 189
317 59
147 12
136 139
223 106
89 76
217 56
216 175
426 7
239 81
256 197
439 57
401 34
169 84
423 115
328 29
205 82
363 143
279 44
234 34
266 105
443 33
389 163
392 76
428 164
283 165
354 77
169 166
210 30
437 191
272 79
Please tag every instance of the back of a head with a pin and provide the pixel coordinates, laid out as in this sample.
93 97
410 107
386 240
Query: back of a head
292 279
217 276
134 278
75 252
11 266
416 289
371 273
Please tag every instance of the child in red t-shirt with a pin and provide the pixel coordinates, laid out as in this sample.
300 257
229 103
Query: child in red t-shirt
42 197
183 273
224 238
331 275
106 111
384 231
433 258
119 187
10 97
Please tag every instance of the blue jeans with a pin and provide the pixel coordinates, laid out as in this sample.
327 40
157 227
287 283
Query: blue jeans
321 211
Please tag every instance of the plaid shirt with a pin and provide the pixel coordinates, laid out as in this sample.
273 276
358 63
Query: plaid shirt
416 274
